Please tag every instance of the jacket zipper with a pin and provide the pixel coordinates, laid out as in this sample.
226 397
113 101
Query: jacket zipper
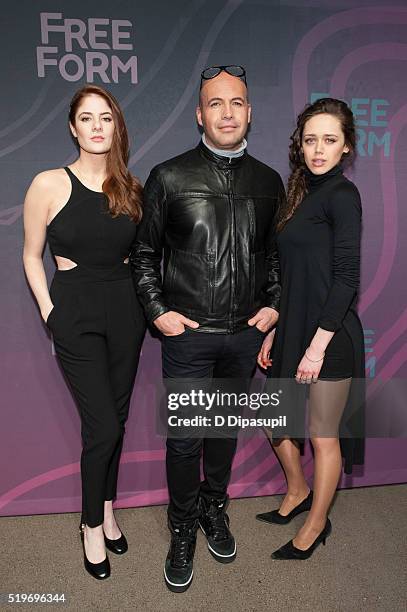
211 258
252 225
232 251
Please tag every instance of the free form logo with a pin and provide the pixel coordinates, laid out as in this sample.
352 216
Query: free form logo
78 48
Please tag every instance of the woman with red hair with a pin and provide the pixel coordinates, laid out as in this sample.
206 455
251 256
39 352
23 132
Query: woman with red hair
88 212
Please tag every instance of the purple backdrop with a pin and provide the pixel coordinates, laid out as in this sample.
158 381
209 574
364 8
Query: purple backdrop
356 51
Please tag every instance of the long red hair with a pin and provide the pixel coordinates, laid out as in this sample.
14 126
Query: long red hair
123 190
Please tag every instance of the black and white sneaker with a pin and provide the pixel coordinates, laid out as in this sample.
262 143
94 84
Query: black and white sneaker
214 523
178 569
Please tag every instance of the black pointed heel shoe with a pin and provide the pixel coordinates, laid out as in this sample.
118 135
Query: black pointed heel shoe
101 570
275 517
119 546
289 551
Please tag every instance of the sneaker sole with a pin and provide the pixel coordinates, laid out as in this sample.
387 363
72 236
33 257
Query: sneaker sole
178 588
217 556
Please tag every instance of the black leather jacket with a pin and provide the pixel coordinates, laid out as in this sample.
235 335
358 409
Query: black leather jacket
214 218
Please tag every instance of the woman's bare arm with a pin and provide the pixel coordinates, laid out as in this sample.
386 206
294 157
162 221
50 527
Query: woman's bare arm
37 206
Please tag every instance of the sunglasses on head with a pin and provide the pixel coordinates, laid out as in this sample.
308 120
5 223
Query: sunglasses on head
213 71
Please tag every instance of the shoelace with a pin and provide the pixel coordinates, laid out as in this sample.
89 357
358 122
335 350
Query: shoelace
218 523
181 549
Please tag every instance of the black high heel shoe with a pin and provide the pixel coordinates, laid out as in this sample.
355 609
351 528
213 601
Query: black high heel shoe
289 551
119 546
275 517
101 570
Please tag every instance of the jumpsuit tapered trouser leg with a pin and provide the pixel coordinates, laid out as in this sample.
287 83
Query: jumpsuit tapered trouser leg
98 328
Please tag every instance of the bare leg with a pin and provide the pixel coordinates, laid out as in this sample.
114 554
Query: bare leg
327 402
110 528
94 544
288 453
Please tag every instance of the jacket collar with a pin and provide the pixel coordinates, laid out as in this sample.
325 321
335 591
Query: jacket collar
220 160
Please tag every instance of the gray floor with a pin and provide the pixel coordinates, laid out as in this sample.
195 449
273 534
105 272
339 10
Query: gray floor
362 566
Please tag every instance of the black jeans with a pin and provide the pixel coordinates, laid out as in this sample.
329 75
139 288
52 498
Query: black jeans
204 355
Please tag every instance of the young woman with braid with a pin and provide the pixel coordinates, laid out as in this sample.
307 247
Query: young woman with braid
319 337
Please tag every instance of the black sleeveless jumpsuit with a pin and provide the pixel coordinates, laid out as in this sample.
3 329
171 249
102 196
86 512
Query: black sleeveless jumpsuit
98 327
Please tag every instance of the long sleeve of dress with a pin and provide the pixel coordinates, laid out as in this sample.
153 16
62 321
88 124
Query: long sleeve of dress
344 212
147 250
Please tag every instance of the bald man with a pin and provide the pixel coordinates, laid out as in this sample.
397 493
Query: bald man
211 211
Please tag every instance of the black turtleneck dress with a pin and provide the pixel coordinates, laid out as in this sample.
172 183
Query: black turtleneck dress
319 253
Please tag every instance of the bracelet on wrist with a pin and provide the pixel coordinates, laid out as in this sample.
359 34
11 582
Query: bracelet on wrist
313 360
